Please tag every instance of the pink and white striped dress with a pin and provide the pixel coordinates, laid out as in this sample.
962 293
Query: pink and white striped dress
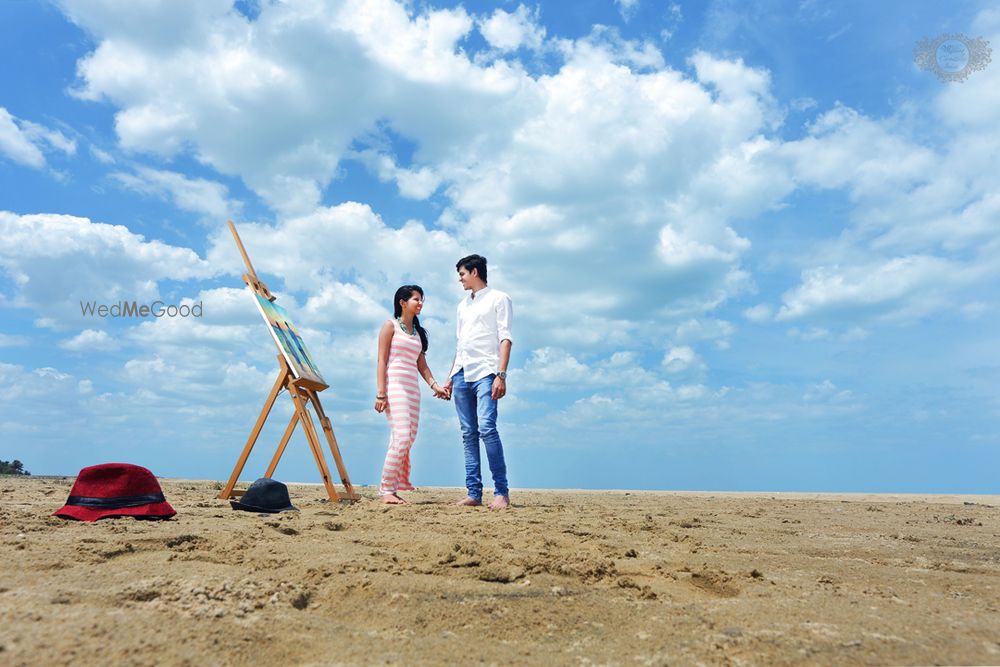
403 410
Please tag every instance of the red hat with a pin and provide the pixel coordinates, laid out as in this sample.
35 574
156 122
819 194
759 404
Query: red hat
115 489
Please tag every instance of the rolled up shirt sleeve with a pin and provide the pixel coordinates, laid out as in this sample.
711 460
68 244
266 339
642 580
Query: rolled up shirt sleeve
505 318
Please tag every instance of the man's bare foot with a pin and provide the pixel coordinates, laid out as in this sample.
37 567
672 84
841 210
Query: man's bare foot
500 503
393 499
468 501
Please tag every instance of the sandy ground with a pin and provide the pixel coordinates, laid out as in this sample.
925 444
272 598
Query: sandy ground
563 578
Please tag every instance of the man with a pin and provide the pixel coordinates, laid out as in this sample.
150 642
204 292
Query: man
478 378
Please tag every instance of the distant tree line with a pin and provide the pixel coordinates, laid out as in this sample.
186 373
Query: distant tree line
14 467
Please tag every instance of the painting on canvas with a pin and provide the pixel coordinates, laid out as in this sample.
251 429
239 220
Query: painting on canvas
288 340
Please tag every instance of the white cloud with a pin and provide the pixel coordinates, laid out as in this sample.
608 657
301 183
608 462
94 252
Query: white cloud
854 334
90 340
102 156
673 18
691 391
614 151
7 340
551 368
251 100
197 195
812 333
974 105
508 31
17 382
902 286
314 256
803 104
608 41
847 149
53 139
610 192
15 145
177 332
760 313
679 251
58 261
156 23
583 177
922 225
226 305
345 302
627 8
733 79
974 310
156 405
827 391
688 408
422 48
705 329
23 141
681 359
555 366
351 238
412 183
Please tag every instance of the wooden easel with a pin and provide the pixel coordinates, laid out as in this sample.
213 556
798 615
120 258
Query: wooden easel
303 393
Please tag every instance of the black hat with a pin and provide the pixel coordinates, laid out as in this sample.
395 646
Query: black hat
265 495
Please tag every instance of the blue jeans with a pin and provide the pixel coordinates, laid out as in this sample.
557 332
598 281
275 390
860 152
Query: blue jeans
477 415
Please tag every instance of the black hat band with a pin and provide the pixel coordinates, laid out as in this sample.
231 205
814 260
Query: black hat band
116 503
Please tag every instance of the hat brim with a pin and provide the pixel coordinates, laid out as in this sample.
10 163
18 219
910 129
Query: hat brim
237 505
151 511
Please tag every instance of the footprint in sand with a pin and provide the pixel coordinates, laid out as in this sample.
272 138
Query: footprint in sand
284 530
715 583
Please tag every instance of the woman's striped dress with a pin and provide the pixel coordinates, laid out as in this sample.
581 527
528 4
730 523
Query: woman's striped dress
403 410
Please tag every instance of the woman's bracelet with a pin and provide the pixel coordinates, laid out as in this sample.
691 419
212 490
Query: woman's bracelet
433 382
380 397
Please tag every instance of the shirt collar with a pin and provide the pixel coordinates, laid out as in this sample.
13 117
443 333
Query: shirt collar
479 294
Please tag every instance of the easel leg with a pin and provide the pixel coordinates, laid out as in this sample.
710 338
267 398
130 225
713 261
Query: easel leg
281 446
331 440
282 380
307 426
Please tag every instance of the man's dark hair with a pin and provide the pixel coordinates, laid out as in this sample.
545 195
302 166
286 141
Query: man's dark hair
477 262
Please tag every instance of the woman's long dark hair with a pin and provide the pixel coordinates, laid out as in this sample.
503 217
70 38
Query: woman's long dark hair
403 294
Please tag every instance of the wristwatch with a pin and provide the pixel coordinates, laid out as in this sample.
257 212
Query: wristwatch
502 375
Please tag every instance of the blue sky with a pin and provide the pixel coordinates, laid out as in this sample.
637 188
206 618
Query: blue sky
751 245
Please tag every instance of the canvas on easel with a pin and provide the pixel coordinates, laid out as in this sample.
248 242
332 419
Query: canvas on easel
288 340
300 377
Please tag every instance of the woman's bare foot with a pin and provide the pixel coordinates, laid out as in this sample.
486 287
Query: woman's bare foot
469 501
393 499
500 503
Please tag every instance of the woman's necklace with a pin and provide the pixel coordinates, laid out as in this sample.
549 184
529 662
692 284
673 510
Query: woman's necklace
403 327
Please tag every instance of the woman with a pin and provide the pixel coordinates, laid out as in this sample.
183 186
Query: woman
402 343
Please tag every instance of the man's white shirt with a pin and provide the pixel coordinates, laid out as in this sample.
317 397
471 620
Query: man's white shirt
482 323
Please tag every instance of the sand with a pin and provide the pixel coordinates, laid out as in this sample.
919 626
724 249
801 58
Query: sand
563 578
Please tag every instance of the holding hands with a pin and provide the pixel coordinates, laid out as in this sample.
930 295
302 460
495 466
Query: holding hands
444 392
